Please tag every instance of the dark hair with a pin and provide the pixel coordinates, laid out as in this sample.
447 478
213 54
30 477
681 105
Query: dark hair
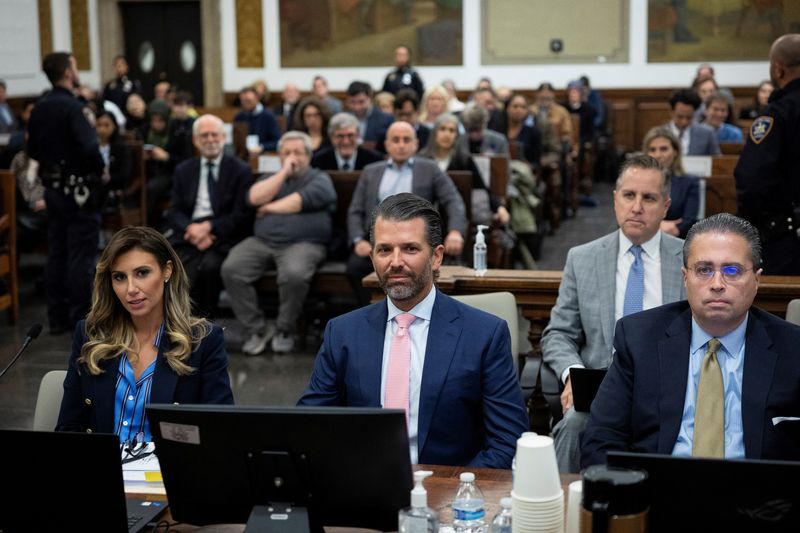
183 97
684 96
726 223
120 56
321 106
645 162
358 87
407 206
406 95
101 112
3 84
700 80
546 86
717 97
55 64
249 89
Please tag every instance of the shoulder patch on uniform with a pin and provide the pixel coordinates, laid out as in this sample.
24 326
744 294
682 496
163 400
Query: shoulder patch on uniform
761 128
89 115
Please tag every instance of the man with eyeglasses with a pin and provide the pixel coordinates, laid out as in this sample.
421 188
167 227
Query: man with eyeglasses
345 154
708 377
624 272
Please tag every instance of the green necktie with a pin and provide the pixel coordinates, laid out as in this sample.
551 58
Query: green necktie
709 413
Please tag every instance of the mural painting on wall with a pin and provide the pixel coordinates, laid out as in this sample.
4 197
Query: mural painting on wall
364 33
717 30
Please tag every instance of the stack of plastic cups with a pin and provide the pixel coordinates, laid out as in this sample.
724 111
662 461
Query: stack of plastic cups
538 499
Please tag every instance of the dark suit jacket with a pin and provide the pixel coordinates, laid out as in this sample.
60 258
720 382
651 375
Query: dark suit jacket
428 182
88 402
326 159
263 124
423 134
685 195
233 218
378 123
470 409
640 403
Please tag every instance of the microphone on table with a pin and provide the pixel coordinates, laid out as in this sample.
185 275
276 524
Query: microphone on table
32 334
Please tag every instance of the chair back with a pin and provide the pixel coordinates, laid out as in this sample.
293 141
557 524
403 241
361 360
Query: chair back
48 403
502 305
793 312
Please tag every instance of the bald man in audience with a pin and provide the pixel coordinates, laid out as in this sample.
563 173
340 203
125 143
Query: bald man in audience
637 267
402 172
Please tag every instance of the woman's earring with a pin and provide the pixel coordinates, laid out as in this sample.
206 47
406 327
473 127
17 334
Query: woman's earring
166 280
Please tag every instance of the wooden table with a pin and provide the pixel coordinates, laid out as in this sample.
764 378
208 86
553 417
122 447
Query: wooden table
441 486
536 291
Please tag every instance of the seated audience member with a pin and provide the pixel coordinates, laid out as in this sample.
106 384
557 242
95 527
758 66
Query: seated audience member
157 166
704 70
116 155
141 342
404 76
136 116
704 87
163 92
576 105
635 268
459 390
179 129
595 99
684 190
716 113
262 91
32 210
385 102
406 108
8 122
696 139
444 148
401 173
345 153
546 110
96 104
372 122
434 103
260 121
479 139
512 125
290 97
488 100
209 213
454 105
725 372
291 233
312 117
760 101
121 87
320 90
484 83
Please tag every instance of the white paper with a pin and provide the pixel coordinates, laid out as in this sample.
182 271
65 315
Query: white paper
269 164
778 419
697 165
484 164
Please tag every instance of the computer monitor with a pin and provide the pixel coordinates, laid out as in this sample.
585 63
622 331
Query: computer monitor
346 466
689 494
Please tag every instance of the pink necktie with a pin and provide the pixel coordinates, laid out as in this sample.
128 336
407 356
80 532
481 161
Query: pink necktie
397 379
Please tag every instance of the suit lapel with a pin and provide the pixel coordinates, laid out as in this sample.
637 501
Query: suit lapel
606 268
373 183
193 184
370 365
104 392
443 335
671 279
673 367
759 369
164 379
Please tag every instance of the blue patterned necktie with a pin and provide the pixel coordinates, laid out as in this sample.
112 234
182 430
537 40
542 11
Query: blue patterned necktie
634 291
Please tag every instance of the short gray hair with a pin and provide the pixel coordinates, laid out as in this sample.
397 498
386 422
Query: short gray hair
645 162
474 118
726 223
208 118
295 135
340 121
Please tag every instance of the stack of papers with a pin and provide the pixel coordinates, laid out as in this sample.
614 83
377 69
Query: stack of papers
142 473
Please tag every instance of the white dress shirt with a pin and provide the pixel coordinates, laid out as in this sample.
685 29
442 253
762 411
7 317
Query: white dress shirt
651 259
684 137
418 335
202 205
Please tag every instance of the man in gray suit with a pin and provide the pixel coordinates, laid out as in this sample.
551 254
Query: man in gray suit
635 268
401 173
695 139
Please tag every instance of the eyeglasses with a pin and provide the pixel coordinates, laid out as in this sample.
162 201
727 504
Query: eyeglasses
730 273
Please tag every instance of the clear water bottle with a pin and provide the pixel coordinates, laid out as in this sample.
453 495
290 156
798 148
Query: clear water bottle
469 515
502 520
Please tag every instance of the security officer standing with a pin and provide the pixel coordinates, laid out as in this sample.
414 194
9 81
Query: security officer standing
768 173
63 139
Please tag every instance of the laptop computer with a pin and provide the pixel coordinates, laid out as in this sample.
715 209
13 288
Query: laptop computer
689 494
67 482
585 382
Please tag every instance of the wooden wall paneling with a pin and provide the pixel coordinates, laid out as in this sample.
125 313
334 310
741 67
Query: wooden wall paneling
623 122
649 115
249 34
45 28
79 22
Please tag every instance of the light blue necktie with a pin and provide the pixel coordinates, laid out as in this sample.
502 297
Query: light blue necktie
634 291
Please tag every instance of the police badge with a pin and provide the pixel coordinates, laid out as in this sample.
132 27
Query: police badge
761 128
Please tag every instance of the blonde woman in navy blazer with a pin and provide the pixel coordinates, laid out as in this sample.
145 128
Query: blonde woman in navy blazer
139 343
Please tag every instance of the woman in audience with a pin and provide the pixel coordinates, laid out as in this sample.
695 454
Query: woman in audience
312 116
512 125
759 102
136 115
444 148
434 103
140 343
662 144
454 105
116 154
385 102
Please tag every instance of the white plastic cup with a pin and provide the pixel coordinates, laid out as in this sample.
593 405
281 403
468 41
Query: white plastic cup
574 499
536 475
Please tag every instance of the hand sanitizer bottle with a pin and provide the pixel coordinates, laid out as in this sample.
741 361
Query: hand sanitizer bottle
479 252
419 518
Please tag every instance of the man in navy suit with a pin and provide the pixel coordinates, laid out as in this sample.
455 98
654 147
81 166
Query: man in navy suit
711 376
260 121
459 388
372 122
209 213
345 154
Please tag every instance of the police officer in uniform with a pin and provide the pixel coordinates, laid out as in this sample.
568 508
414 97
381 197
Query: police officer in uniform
403 76
768 173
63 139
